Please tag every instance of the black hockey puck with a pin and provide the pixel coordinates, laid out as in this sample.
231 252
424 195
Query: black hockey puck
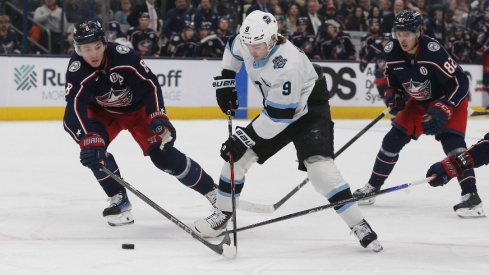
127 246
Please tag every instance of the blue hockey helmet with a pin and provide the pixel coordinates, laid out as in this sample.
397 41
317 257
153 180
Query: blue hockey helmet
86 32
407 20
302 20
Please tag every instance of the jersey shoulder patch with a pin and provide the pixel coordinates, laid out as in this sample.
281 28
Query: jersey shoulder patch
433 46
122 49
388 47
279 62
74 66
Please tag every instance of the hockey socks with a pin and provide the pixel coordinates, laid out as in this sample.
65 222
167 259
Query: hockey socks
110 186
384 164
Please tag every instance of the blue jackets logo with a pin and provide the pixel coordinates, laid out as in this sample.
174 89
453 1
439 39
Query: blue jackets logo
25 77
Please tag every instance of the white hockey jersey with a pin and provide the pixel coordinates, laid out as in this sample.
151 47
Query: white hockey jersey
285 79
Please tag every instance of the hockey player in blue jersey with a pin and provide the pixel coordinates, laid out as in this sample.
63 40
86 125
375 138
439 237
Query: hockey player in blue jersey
336 44
209 44
418 65
296 109
108 89
144 39
304 40
183 44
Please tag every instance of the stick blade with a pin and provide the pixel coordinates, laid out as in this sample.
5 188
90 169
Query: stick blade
256 208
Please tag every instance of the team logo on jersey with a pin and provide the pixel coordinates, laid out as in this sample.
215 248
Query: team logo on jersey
122 49
417 90
74 66
279 62
267 19
388 47
433 46
116 98
423 70
176 38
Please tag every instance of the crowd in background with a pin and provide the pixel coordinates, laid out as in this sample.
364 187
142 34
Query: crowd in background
201 28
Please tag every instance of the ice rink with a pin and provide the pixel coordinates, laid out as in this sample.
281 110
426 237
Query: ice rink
51 210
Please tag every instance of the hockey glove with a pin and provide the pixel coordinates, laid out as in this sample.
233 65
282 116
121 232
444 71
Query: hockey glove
237 144
448 168
437 116
225 91
363 64
158 122
92 151
394 100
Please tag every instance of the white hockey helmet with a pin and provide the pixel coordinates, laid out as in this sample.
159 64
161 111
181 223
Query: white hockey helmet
259 27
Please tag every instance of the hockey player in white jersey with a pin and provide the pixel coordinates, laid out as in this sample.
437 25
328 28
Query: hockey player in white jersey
296 109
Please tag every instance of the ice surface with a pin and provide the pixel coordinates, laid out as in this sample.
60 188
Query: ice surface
51 210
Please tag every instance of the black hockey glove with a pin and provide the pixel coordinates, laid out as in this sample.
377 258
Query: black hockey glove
159 123
237 144
394 100
448 168
92 151
437 116
363 65
225 91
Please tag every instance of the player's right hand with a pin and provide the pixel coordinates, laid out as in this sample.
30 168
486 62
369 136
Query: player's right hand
93 152
444 171
225 93
363 65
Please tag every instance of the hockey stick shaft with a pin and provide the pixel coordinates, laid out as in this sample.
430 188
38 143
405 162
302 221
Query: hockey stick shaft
331 205
231 166
260 208
222 248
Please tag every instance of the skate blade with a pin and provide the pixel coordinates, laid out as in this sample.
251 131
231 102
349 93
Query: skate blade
375 246
474 213
120 219
368 201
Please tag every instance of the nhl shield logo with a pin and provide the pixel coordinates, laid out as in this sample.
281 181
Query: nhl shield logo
279 62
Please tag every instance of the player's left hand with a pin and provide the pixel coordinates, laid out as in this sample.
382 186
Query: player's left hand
159 123
436 117
363 65
92 153
237 145
444 171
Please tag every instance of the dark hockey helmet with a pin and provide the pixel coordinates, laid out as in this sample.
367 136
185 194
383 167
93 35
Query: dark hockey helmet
189 25
302 20
387 36
86 32
372 21
205 25
407 20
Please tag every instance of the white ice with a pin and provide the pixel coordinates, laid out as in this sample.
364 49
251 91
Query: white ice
51 210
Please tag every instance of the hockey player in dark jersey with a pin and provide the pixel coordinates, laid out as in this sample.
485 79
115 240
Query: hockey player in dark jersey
144 40
336 44
296 109
223 31
304 40
459 47
108 89
182 44
209 44
9 42
420 66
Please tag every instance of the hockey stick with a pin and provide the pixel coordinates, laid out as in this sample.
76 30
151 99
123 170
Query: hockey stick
222 248
262 208
231 167
472 112
331 205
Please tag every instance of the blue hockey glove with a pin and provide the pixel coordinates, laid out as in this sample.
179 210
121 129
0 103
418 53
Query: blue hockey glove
448 168
92 151
394 100
363 64
225 91
437 116
237 144
159 123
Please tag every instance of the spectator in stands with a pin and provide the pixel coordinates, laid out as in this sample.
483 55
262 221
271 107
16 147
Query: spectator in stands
388 22
72 10
375 12
177 18
385 6
347 8
330 12
293 14
369 39
231 9
437 30
49 16
304 40
223 30
86 11
281 26
150 7
144 40
458 45
356 21
337 44
121 15
285 4
315 20
181 44
205 13
9 42
365 4
460 10
210 45
260 5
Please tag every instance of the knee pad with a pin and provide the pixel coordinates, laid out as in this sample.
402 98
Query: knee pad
394 141
452 144
170 161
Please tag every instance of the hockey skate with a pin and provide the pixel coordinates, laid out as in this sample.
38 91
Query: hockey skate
119 211
470 207
367 237
365 190
211 196
213 225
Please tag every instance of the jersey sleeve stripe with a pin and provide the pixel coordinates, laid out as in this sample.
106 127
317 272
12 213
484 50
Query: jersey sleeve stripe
281 106
279 115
